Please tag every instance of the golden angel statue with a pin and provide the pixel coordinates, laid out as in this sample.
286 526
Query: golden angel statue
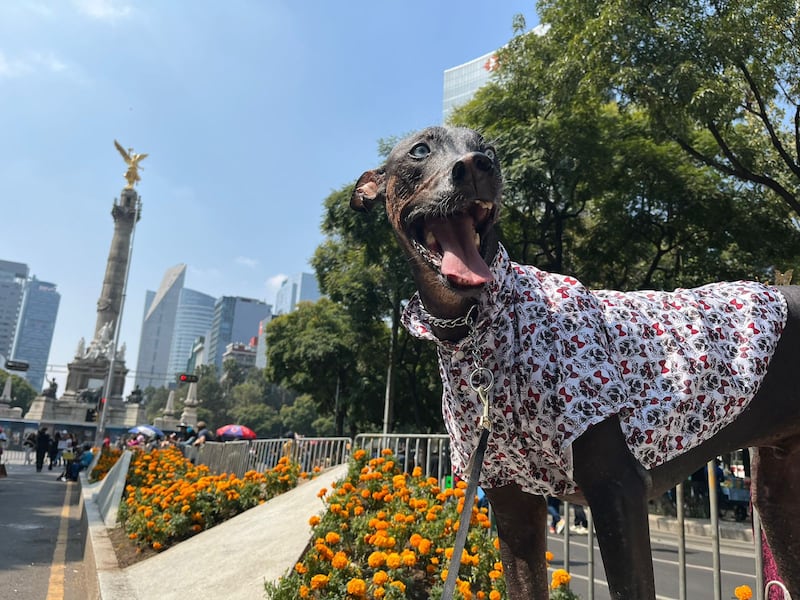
132 160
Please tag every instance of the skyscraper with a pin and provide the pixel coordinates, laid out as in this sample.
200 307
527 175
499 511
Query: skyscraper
297 288
35 328
174 317
13 276
193 320
461 82
235 321
158 324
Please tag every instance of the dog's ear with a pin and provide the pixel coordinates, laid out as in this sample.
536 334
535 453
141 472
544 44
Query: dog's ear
370 188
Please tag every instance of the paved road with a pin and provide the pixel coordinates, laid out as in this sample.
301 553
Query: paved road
41 544
736 560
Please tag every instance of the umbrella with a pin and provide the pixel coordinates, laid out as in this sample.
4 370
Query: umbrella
235 432
147 430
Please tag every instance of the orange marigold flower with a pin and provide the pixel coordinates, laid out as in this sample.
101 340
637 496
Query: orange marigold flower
322 492
332 537
386 451
399 585
380 577
339 560
560 577
494 574
319 581
303 591
494 595
424 546
157 546
743 592
359 454
376 559
379 593
393 560
314 521
357 587
301 568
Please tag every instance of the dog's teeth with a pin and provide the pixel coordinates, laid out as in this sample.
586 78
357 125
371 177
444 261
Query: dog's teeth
430 239
477 239
484 204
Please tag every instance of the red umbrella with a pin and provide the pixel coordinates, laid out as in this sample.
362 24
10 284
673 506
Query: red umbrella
235 432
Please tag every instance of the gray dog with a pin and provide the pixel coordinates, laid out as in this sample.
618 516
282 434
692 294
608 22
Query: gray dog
598 397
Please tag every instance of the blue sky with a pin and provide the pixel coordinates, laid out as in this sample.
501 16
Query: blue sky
252 112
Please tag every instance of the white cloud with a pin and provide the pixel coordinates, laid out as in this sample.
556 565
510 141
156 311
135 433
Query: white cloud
34 62
105 10
247 262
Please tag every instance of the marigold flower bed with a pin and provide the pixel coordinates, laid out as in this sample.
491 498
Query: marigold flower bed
108 458
389 535
168 499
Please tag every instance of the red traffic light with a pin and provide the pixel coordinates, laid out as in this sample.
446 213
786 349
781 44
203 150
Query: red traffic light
16 365
187 378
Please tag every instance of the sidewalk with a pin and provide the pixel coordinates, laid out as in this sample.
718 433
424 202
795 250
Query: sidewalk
231 560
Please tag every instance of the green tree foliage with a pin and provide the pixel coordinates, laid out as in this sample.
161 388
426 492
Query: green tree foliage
596 188
361 266
22 392
721 79
316 350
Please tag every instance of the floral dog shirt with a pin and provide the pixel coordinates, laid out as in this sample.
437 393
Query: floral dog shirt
675 366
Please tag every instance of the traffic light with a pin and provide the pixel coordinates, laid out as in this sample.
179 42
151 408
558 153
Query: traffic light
16 365
187 378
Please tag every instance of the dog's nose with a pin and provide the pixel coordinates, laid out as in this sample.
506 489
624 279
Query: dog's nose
475 162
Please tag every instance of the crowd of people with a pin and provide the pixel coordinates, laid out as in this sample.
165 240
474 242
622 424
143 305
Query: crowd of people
61 449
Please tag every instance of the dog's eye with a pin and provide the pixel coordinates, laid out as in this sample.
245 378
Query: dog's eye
490 153
420 150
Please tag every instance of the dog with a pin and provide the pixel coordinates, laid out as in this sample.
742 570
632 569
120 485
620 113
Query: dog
579 382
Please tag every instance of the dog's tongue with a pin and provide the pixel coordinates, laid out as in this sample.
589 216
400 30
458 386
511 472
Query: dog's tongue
461 262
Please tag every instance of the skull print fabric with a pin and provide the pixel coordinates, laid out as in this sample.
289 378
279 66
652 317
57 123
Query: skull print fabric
675 366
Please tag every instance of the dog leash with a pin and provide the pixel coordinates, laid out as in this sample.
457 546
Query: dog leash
481 380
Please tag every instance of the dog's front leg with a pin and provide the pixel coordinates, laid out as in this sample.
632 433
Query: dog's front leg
522 528
616 487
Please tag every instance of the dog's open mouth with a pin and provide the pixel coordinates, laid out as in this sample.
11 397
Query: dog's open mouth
452 244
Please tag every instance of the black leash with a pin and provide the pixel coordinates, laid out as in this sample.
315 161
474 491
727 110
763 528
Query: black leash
476 461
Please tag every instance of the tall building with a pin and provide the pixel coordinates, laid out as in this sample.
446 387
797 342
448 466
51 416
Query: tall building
461 82
297 288
235 321
13 276
37 321
158 325
192 321
174 317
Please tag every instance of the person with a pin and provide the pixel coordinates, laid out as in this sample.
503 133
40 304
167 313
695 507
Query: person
203 434
554 508
81 463
42 448
581 522
29 445
3 441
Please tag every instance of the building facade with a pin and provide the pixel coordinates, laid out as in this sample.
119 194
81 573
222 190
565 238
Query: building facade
236 320
461 82
35 327
13 276
192 321
301 287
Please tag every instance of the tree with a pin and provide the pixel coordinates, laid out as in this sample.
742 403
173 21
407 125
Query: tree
314 350
22 392
600 192
361 266
721 79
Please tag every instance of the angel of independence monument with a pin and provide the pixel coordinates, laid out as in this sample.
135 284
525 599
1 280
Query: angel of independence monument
98 369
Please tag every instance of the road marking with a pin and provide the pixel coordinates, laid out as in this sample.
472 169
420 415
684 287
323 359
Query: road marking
55 587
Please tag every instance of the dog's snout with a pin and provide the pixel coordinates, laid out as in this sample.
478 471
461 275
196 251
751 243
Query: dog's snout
474 162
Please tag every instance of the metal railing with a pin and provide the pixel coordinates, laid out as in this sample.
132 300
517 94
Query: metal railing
431 452
238 457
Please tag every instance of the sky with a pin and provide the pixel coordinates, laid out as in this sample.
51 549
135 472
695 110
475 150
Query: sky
251 113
